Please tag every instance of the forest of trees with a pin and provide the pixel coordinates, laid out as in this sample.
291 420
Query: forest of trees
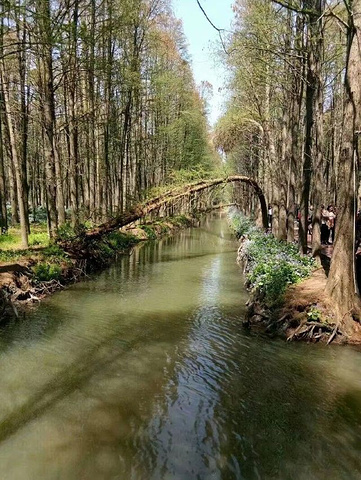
97 105
293 117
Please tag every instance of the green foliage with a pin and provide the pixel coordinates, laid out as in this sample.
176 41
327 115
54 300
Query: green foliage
9 240
105 249
242 225
38 216
12 239
149 231
11 255
314 314
182 130
181 220
40 238
54 252
45 272
271 265
120 241
162 228
66 232
183 176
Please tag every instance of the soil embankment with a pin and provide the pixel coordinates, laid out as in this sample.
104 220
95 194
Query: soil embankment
306 313
288 295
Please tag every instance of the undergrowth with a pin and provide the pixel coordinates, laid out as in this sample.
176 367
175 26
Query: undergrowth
182 221
149 231
11 240
271 265
44 272
103 250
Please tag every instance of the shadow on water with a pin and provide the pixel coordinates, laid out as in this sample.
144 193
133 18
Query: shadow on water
97 358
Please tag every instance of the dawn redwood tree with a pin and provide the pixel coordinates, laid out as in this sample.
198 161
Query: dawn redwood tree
341 284
312 162
45 37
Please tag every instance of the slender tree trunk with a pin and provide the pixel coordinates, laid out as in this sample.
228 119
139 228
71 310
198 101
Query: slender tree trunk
313 123
21 189
3 213
24 114
73 128
318 190
46 84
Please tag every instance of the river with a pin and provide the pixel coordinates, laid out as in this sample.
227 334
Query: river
145 372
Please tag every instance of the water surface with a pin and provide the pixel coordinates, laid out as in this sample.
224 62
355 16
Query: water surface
145 373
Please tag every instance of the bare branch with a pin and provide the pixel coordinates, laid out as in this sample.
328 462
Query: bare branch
294 8
219 30
331 13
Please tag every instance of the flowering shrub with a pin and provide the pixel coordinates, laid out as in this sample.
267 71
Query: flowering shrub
271 265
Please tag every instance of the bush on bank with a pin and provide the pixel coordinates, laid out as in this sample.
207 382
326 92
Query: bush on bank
270 265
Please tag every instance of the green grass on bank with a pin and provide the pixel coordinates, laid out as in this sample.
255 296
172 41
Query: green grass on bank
50 261
271 265
12 239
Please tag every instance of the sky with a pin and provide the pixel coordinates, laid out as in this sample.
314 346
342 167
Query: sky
201 44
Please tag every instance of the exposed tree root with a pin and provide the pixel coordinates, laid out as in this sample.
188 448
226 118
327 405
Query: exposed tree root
294 325
19 288
315 331
296 321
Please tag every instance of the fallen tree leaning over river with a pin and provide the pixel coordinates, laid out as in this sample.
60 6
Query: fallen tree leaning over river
79 245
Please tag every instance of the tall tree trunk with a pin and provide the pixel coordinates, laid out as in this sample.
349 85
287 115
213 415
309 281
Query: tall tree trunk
46 85
318 180
73 128
24 114
341 283
313 121
3 212
21 189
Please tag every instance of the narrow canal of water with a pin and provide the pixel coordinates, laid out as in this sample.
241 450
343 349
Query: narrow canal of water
145 373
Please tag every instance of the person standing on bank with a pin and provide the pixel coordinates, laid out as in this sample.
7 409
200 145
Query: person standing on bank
331 224
324 226
270 215
310 220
